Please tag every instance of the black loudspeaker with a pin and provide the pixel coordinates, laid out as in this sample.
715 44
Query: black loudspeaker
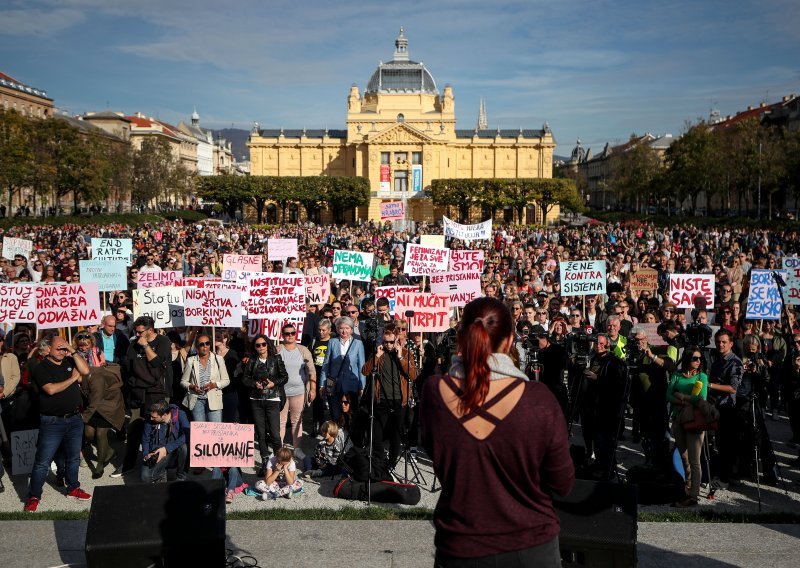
598 525
163 525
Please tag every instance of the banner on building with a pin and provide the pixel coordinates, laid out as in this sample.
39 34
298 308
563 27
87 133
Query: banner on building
431 311
164 304
421 260
276 296
67 305
386 177
17 304
109 275
112 249
583 277
13 247
479 231
281 249
393 211
352 265
764 300
684 288
232 264
158 278
210 307
416 178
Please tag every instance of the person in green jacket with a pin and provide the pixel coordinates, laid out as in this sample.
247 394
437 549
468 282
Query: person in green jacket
687 386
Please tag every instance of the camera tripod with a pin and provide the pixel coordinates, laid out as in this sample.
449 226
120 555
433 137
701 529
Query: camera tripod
759 429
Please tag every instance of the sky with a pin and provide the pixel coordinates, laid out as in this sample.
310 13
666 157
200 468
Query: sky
595 70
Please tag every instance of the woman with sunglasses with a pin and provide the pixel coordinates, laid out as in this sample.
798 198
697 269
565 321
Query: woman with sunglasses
264 373
687 386
301 387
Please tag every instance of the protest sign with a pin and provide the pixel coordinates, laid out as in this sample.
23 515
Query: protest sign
684 288
420 260
463 260
217 308
163 304
159 278
475 232
390 293
352 265
392 211
431 311
109 275
240 287
581 277
281 249
276 296
232 264
318 288
644 280
61 305
764 301
17 303
651 329
193 282
272 327
222 444
111 249
23 451
791 292
461 287
12 247
432 241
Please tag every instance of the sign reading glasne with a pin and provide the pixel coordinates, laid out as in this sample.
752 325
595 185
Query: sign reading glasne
233 264
580 277
352 265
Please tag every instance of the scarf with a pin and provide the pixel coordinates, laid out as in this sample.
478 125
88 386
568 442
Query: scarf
500 365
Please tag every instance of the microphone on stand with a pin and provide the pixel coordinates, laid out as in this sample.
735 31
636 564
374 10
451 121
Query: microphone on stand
409 313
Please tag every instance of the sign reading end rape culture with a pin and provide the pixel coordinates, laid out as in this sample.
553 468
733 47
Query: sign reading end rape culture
764 301
111 249
421 260
479 231
274 296
60 305
352 265
581 277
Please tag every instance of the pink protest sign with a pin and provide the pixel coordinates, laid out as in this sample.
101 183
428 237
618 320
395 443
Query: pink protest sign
276 296
393 210
466 260
222 444
194 282
318 288
60 305
420 260
684 288
232 264
17 303
431 311
162 278
462 287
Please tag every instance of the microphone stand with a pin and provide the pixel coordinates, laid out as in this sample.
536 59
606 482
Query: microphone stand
408 458
780 283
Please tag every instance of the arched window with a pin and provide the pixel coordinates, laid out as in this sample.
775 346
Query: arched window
401 117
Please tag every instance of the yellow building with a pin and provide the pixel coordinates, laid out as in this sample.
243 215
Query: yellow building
401 134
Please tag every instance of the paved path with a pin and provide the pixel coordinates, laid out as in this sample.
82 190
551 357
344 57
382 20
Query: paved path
409 544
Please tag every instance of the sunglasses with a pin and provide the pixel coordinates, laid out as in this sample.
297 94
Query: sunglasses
289 333
696 358
62 349
261 344
353 312
203 343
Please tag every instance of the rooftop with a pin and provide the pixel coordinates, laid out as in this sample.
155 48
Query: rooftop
11 83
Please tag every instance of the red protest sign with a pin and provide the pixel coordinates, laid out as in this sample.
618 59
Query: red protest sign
466 260
17 303
318 288
431 311
60 305
158 278
684 288
276 296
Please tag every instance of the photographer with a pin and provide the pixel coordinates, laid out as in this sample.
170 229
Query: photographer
164 442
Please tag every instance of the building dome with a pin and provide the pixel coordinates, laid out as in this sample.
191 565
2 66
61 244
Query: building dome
401 75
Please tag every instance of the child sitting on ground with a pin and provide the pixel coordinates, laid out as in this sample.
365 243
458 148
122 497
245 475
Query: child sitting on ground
334 443
281 478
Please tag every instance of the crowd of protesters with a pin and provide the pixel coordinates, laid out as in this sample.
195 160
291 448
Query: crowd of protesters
591 351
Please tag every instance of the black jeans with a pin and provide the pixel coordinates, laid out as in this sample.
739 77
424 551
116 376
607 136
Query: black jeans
267 418
388 425
544 555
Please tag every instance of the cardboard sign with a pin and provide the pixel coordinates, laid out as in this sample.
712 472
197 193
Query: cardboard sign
109 275
111 249
463 260
67 305
393 210
791 292
17 303
352 265
432 241
23 451
161 278
281 249
222 444
12 247
479 231
764 301
318 288
390 293
431 311
209 307
276 296
684 288
420 260
644 280
163 304
232 264
582 277
461 287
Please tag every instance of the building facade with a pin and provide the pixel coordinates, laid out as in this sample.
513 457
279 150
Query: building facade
401 134
24 99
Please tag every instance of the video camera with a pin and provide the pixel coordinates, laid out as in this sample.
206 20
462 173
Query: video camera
698 334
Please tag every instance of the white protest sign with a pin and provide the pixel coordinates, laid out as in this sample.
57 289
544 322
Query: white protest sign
318 288
276 296
163 304
420 260
158 278
281 249
239 286
684 288
209 307
112 249
232 264
109 275
63 305
431 311
12 247
580 277
432 241
461 287
763 301
352 265
23 451
17 303
791 292
463 260
475 232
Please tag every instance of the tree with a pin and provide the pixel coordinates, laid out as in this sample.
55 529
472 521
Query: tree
694 164
230 191
152 169
343 193
16 153
460 193
633 172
